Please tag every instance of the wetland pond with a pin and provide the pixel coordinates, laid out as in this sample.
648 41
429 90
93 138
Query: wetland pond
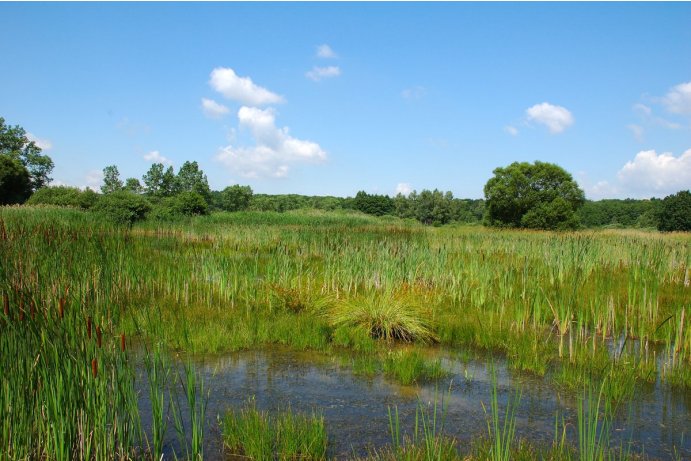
355 407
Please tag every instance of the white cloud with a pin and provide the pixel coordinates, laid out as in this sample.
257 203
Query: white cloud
94 179
212 109
241 89
318 73
652 174
512 130
275 150
602 190
155 157
648 119
325 51
555 118
416 92
43 144
404 188
678 99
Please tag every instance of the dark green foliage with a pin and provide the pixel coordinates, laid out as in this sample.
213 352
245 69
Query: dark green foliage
133 185
191 179
288 202
675 212
122 207
15 184
182 205
625 213
64 196
233 198
377 205
159 182
189 204
16 145
537 196
111 180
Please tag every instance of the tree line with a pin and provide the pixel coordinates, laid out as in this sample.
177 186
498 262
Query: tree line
521 195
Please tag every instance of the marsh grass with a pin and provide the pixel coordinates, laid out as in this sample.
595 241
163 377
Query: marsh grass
551 303
385 316
427 441
501 431
411 366
285 436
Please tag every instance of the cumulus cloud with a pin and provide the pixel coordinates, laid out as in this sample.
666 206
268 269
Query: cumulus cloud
555 118
416 92
155 157
652 174
43 144
512 130
318 73
274 152
325 51
212 109
241 89
404 188
678 99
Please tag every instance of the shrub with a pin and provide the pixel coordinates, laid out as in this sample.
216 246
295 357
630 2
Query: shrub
64 196
122 207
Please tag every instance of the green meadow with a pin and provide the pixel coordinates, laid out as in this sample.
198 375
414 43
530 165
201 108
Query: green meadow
596 312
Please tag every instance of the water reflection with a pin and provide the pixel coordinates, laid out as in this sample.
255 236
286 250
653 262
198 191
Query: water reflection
355 407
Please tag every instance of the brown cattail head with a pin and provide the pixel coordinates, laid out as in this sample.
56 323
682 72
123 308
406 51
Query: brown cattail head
94 367
98 335
61 308
88 327
122 342
21 309
32 308
6 304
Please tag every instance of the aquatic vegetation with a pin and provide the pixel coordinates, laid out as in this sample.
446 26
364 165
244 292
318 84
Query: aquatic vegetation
501 433
575 308
408 367
283 436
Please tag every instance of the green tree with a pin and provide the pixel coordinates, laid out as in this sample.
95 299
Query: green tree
373 204
111 180
160 182
15 183
675 212
133 185
539 196
191 179
15 144
234 198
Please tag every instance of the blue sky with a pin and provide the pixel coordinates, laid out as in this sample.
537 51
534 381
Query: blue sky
332 98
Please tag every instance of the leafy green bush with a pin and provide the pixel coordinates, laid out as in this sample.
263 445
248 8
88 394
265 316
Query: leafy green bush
182 205
122 207
64 196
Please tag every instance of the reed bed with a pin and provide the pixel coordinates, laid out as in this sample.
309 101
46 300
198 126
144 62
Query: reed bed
573 307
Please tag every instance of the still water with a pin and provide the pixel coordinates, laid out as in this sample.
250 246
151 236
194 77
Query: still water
657 421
